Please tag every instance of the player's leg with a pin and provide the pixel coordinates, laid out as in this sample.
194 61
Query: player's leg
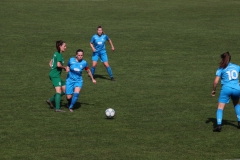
50 100
57 82
94 65
104 59
224 98
94 62
58 98
219 116
77 89
63 90
74 98
69 99
69 91
235 100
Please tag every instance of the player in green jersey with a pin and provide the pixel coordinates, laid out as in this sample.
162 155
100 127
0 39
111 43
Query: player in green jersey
56 64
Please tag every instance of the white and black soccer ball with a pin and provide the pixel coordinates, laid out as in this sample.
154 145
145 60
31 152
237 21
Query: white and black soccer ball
110 113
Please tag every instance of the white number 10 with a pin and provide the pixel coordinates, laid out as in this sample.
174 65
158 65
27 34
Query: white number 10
232 74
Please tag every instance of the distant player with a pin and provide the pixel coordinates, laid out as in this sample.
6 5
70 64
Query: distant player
97 44
74 79
229 75
56 64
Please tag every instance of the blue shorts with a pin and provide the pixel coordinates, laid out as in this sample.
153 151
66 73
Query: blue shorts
226 93
100 54
70 86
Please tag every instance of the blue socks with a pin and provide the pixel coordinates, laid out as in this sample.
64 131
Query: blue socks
219 115
93 70
237 110
109 70
74 100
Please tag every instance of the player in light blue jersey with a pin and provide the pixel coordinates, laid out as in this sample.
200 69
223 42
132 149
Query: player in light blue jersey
74 79
229 75
97 44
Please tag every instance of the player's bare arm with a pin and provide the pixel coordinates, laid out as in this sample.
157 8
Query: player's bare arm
216 80
59 65
93 49
110 42
50 63
90 74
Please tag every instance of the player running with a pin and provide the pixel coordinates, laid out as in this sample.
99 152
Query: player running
229 74
97 44
74 79
56 64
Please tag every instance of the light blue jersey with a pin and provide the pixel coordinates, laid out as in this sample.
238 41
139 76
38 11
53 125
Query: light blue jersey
99 41
74 79
230 83
76 68
229 76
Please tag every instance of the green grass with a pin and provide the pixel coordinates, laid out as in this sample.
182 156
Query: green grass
165 60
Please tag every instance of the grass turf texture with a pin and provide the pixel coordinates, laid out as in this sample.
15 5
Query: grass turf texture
166 56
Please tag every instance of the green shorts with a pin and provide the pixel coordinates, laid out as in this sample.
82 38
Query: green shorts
57 81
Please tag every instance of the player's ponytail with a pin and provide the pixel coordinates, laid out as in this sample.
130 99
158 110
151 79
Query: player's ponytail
225 59
58 44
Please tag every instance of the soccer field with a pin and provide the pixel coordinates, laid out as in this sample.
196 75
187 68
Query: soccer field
165 59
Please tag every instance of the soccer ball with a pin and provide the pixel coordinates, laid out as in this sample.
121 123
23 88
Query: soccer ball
110 113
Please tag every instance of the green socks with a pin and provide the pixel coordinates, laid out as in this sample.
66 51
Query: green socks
53 97
57 100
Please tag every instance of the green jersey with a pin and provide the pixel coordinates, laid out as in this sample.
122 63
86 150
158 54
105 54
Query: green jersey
56 71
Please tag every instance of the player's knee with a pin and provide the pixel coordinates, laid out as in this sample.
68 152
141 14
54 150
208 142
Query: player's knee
76 95
69 96
94 65
106 64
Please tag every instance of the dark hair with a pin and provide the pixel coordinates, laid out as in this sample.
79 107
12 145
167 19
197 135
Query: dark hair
226 58
79 50
100 27
58 44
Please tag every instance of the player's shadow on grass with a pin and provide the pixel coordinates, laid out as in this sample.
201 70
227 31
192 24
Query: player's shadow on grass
96 76
78 105
224 122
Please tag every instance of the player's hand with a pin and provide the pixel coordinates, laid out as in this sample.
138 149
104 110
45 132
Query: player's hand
213 93
50 63
113 48
94 81
67 69
93 49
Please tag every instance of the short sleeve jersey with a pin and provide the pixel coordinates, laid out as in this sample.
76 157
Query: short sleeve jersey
99 41
56 71
229 75
76 68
